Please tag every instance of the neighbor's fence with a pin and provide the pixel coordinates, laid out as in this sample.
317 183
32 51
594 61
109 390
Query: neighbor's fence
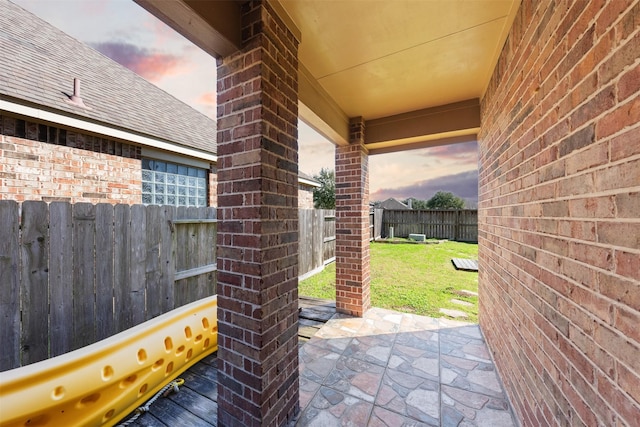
375 223
459 225
71 275
317 246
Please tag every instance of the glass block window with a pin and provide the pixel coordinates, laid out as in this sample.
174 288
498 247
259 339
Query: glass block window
165 183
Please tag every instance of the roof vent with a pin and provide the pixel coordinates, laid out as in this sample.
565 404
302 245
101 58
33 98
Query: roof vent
75 99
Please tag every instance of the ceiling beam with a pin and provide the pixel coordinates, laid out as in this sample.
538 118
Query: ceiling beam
426 143
317 109
215 27
457 117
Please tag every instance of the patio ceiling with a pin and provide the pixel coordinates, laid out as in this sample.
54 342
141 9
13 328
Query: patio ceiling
414 69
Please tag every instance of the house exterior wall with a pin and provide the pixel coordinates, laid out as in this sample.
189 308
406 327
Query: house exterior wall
559 206
305 197
49 163
41 162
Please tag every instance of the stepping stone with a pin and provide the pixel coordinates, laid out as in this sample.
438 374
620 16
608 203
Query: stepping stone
465 264
454 313
467 293
460 302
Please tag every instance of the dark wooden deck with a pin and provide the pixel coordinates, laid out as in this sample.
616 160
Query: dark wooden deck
195 404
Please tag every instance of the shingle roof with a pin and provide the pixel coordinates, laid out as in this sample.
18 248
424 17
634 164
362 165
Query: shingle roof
392 204
302 175
38 63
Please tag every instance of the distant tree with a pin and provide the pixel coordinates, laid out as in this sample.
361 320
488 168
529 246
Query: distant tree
325 196
445 200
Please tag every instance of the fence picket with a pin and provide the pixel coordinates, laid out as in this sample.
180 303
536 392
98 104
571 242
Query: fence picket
123 315
105 323
152 262
84 313
35 271
9 285
138 263
60 274
180 290
167 262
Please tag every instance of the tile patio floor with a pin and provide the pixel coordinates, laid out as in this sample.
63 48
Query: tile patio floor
395 369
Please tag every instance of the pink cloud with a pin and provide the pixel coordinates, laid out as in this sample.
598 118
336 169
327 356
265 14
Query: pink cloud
208 98
147 63
465 153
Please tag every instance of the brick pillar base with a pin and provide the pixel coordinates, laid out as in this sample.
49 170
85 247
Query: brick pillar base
258 225
352 223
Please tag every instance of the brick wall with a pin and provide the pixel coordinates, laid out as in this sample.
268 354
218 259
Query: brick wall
258 224
559 208
213 185
305 197
352 223
41 162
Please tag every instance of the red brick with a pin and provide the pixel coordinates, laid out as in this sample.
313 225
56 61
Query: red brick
623 116
592 207
620 234
626 144
620 289
629 83
627 205
620 176
627 264
627 322
594 155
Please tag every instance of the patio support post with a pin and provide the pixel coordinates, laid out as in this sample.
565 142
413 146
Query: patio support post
258 224
352 223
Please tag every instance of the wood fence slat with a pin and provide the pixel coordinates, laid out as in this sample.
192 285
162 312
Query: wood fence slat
123 315
105 321
152 262
180 292
9 285
200 251
305 259
138 263
84 217
35 282
167 258
60 278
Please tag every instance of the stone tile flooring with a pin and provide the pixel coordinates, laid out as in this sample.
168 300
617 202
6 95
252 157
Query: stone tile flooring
395 369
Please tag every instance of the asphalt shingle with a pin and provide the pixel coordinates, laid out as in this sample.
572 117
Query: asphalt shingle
39 63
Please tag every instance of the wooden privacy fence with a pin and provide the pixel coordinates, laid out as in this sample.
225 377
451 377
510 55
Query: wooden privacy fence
71 275
460 225
317 239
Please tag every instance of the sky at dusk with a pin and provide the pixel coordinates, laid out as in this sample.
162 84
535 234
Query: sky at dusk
126 33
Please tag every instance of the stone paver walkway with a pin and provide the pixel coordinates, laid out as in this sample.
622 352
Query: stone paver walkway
396 369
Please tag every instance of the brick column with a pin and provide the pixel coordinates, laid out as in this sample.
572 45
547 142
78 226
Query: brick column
258 225
352 223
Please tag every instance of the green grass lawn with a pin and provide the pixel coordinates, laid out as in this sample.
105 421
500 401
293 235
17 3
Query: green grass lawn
410 278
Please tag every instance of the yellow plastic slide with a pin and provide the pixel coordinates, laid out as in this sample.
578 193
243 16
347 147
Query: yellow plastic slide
102 383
